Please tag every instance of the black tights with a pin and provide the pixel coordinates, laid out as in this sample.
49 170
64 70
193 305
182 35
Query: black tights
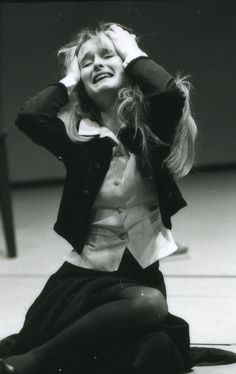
134 308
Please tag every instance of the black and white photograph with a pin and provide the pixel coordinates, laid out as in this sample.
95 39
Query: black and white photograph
117 187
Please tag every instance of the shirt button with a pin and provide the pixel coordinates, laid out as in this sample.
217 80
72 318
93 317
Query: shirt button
117 182
118 154
123 236
119 210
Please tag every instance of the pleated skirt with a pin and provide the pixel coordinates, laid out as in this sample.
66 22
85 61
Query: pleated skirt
72 292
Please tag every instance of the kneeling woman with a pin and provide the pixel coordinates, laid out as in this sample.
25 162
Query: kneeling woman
123 128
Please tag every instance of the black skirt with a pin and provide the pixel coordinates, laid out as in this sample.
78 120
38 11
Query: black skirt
71 292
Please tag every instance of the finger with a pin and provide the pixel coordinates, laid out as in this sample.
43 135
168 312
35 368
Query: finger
71 52
111 31
111 34
115 27
117 30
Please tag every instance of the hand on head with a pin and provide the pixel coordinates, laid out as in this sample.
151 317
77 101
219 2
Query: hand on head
124 42
73 70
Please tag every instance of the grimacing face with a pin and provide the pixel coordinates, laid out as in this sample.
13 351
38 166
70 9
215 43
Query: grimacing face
101 67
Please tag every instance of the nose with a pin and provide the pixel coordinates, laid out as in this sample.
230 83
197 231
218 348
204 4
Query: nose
98 62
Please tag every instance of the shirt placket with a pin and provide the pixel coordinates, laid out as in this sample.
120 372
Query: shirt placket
120 159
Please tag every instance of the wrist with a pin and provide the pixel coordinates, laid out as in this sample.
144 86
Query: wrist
69 82
133 56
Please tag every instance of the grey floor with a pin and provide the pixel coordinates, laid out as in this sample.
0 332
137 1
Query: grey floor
201 284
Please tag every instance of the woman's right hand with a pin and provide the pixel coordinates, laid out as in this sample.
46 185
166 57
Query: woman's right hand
73 70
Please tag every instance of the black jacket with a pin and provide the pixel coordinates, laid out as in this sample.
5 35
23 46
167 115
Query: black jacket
87 163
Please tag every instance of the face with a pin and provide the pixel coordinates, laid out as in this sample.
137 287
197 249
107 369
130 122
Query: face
101 67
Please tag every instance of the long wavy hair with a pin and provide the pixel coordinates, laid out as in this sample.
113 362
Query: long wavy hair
132 110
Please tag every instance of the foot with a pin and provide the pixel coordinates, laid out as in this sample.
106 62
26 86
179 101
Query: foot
19 364
6 369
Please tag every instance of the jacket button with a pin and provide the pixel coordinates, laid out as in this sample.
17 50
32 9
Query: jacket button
97 165
86 192
60 158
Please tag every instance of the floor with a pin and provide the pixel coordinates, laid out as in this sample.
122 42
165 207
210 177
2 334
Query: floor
201 284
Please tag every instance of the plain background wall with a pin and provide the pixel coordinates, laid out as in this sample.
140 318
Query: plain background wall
194 37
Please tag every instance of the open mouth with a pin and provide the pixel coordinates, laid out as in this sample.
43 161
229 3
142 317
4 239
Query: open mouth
101 76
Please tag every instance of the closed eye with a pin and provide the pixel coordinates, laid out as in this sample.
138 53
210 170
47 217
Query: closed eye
108 54
87 63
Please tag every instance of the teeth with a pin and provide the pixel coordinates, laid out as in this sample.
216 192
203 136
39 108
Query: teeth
101 77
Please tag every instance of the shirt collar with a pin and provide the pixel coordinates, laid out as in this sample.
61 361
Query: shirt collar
89 128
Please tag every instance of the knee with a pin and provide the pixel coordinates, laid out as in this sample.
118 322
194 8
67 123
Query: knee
151 304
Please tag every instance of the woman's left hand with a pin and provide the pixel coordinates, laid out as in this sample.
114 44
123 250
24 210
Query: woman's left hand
124 42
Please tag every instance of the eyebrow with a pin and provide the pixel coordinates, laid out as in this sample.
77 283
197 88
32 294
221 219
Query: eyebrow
89 54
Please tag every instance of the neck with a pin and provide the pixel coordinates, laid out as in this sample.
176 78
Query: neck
110 118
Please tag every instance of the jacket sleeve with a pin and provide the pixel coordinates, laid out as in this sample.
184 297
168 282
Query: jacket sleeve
38 119
164 98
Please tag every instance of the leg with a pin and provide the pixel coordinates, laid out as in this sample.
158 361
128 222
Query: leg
148 301
135 308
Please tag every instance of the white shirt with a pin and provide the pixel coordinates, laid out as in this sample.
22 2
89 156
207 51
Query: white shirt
125 214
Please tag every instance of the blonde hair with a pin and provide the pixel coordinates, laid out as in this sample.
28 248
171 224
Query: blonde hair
181 157
132 110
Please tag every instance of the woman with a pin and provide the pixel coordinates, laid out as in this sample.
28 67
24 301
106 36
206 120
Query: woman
123 128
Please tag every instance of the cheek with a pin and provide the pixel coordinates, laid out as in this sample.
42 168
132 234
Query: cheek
120 69
84 79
